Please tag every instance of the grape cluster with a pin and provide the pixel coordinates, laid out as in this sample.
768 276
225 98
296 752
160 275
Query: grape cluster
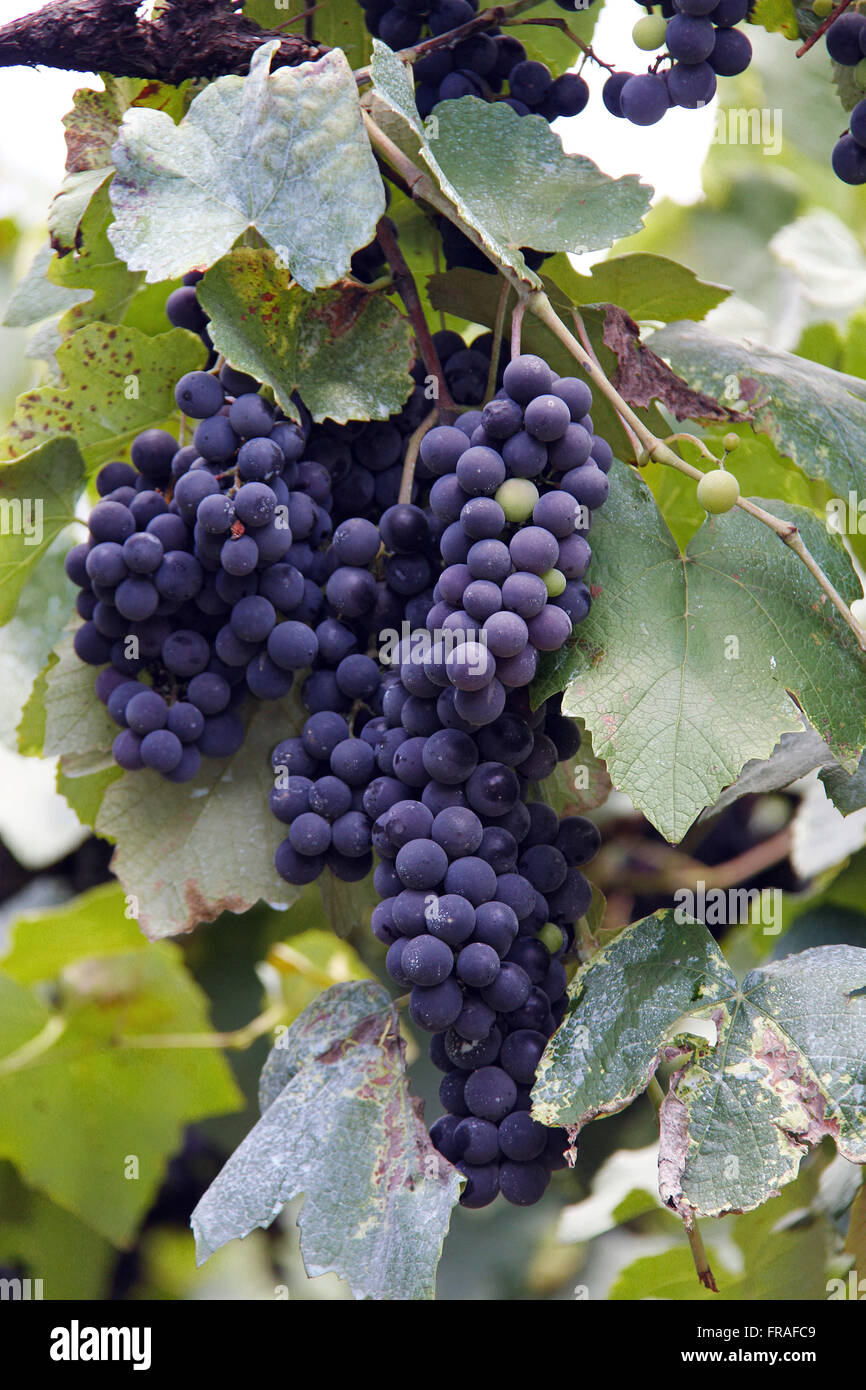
516 485
479 65
431 761
195 580
702 40
846 44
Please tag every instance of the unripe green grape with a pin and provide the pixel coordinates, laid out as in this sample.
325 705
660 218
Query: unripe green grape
823 7
555 581
858 611
517 498
731 442
718 491
649 32
550 936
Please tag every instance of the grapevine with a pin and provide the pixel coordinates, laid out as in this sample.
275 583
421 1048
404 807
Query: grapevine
452 651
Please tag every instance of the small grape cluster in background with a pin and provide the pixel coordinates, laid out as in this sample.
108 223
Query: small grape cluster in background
701 38
846 44
480 65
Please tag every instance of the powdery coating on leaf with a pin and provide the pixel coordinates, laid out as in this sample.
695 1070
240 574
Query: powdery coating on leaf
345 1132
318 344
622 1004
328 1020
92 405
673 715
788 1067
283 152
523 189
813 415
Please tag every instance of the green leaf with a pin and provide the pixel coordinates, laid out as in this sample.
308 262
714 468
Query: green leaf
36 297
37 502
777 17
335 23
846 790
246 155
578 785
676 708
86 1115
547 43
94 266
25 647
116 382
70 205
814 416
173 852
649 288
347 906
622 1007
508 175
338 1125
788 1065
70 1259
317 344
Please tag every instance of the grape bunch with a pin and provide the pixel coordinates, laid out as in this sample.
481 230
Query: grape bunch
478 65
516 485
431 761
195 578
846 44
703 42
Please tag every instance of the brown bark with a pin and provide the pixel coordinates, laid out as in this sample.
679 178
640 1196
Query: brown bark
188 38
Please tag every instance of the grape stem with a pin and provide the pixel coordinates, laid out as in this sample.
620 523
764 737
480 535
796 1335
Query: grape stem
822 28
552 23
408 475
422 188
659 452
690 1222
487 19
404 283
516 325
585 340
699 445
498 330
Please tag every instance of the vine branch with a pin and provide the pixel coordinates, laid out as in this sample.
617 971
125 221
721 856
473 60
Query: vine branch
822 28
404 283
184 39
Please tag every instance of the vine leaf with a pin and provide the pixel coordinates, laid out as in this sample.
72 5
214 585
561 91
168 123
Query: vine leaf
317 344
509 176
94 266
37 502
683 667
813 415
648 287
82 1104
284 153
185 852
787 1065
642 377
846 791
116 382
338 1125
36 297
91 130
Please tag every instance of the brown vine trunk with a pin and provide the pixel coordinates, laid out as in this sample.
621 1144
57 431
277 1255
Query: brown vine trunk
189 38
